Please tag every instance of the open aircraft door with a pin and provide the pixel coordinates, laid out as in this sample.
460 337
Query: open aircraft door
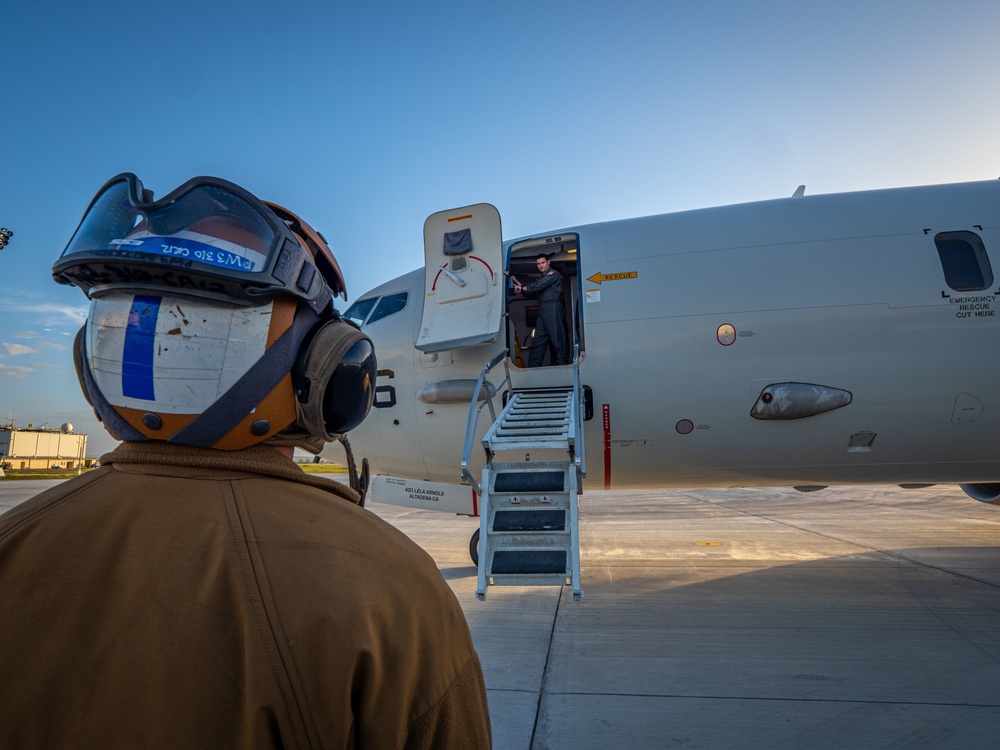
463 278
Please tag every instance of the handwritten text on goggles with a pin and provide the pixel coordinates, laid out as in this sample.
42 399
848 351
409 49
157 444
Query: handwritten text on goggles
208 238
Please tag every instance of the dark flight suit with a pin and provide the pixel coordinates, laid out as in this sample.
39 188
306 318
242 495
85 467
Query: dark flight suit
550 327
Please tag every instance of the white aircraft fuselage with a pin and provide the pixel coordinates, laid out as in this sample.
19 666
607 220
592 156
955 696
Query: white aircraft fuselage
805 341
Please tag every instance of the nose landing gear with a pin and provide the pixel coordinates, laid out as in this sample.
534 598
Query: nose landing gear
474 548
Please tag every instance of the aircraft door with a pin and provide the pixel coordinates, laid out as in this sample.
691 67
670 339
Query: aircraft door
463 279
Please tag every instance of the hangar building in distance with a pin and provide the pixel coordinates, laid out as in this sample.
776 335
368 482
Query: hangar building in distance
42 448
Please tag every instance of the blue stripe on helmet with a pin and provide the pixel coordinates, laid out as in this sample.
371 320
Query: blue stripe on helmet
140 342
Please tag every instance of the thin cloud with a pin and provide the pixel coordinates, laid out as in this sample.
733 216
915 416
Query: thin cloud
15 350
39 342
49 313
15 371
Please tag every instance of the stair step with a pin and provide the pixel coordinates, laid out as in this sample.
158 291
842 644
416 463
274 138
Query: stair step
529 501
519 436
546 519
520 416
532 579
532 427
540 417
538 439
521 562
536 433
529 481
527 444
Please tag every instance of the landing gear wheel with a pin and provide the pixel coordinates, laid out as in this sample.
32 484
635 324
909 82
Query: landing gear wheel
474 548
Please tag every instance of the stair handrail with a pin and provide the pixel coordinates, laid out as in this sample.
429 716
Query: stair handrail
475 411
577 414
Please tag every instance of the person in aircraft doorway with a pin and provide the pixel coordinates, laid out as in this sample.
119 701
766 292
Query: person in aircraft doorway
550 327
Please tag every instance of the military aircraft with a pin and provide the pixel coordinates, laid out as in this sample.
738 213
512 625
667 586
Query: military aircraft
804 341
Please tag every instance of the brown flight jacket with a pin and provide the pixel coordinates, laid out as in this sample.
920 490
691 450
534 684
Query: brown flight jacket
187 598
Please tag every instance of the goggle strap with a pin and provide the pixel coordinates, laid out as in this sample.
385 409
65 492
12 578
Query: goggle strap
246 393
322 302
105 411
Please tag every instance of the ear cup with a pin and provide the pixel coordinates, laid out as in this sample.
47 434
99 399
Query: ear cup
335 379
350 392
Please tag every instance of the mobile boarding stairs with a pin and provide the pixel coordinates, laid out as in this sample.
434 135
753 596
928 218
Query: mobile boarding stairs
529 526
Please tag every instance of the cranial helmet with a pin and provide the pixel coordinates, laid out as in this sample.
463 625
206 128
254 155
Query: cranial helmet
212 321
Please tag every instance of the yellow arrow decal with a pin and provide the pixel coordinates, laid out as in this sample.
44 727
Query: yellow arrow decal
597 278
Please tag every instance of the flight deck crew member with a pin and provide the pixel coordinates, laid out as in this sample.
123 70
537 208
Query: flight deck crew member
550 325
199 590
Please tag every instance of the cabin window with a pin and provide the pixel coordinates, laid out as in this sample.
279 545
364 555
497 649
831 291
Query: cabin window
357 312
964 260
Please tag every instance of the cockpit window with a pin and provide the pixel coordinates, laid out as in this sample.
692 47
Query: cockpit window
388 305
362 312
964 260
360 309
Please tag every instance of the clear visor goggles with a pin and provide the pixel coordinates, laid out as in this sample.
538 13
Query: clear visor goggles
207 239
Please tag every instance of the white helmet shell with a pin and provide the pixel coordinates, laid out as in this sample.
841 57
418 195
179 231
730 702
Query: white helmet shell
170 355
189 372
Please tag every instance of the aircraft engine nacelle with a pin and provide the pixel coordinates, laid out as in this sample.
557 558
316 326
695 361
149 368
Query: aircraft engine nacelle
985 493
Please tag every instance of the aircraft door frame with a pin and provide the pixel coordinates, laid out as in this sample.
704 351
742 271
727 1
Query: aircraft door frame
563 252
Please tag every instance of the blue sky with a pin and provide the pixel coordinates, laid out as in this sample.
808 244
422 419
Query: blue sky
367 117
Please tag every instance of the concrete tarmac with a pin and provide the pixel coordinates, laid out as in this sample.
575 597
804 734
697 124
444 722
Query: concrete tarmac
863 617
859 617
